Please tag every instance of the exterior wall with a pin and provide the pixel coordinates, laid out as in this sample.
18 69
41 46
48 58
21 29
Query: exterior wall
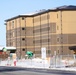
54 30
16 35
65 31
69 31
29 34
41 33
37 36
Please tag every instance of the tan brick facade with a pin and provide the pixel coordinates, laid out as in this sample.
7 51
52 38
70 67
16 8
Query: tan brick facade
53 29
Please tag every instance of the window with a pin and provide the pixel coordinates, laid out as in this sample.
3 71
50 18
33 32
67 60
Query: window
23 38
23 49
57 15
58 39
57 27
12 24
23 28
13 34
22 18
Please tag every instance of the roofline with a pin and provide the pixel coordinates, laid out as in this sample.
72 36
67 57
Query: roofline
32 15
17 17
41 12
51 10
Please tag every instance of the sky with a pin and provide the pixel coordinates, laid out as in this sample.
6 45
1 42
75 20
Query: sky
11 8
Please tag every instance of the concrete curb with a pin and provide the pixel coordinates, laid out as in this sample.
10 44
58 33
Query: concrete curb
49 69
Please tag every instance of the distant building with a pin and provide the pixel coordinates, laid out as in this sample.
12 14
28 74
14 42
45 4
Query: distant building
54 29
6 51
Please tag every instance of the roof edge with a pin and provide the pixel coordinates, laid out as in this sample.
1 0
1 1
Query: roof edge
61 8
17 17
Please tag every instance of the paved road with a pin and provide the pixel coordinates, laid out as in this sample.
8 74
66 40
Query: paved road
25 71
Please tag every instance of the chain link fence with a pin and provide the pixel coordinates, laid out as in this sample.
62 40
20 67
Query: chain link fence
55 61
62 60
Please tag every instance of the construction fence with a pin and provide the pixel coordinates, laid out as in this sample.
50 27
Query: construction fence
62 60
51 62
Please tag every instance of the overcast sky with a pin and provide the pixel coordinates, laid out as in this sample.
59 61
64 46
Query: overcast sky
11 8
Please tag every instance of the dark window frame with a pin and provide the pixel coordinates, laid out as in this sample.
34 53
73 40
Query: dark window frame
23 18
23 39
23 28
23 49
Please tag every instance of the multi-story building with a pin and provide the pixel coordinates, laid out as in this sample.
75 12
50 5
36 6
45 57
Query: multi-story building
53 29
19 33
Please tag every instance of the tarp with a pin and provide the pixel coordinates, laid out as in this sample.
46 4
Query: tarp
29 53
